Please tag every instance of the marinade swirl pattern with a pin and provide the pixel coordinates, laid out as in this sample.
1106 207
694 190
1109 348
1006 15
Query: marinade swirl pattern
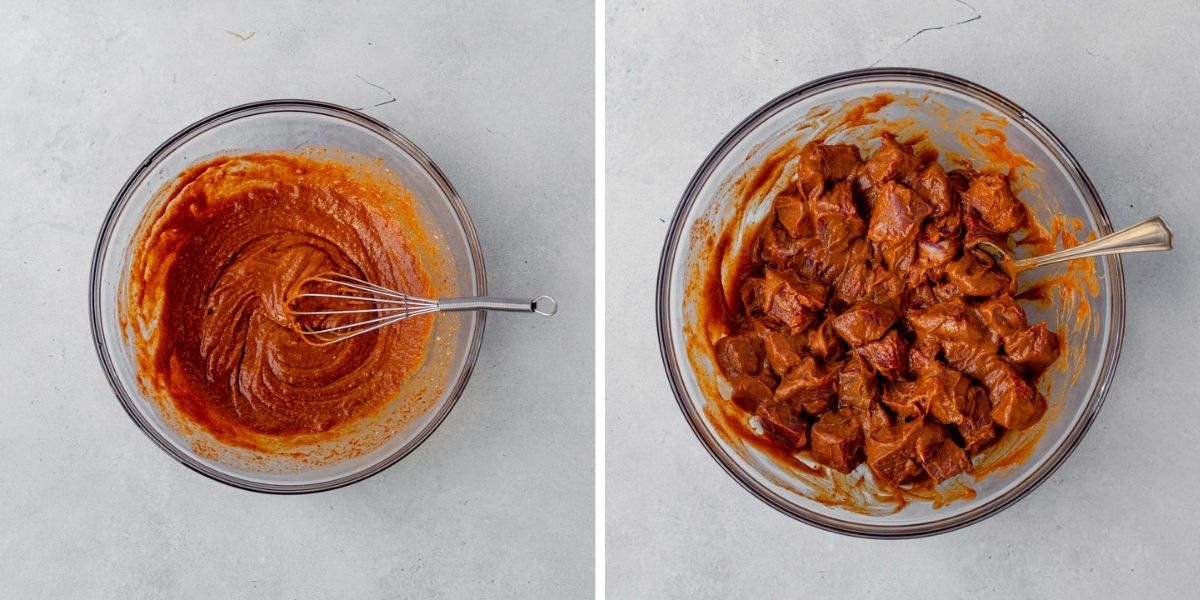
213 270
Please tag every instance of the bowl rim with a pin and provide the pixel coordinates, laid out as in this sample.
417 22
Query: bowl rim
663 310
227 116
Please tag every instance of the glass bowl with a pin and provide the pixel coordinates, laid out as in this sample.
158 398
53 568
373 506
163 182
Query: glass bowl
961 119
457 270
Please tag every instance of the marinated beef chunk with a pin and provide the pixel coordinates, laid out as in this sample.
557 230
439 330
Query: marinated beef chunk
862 323
896 220
976 358
781 352
947 391
836 440
739 354
778 248
752 295
835 230
906 399
889 355
933 252
938 243
960 180
950 460
886 289
820 163
944 290
891 449
990 197
932 184
791 300
749 392
952 320
940 456
808 387
939 391
976 277
782 423
922 352
928 439
852 272
790 213
922 296
836 217
872 328
852 285
807 263
977 429
1033 349
1002 316
814 403
837 199
857 384
812 168
877 419
979 231
892 161
1016 404
759 326
841 161
822 341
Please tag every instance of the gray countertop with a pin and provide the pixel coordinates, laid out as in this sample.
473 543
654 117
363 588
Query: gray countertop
1117 83
499 501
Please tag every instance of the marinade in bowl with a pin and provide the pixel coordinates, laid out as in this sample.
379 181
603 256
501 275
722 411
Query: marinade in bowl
216 229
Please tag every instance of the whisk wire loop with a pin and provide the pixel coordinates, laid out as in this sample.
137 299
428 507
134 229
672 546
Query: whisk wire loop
388 306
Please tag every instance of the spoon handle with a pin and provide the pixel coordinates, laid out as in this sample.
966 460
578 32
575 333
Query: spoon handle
1151 235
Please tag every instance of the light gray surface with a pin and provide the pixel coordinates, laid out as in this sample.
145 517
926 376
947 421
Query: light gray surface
499 501
1118 85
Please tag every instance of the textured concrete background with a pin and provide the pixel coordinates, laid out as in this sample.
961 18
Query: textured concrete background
1117 82
499 501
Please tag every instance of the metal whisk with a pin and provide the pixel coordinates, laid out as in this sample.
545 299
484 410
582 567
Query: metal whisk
390 306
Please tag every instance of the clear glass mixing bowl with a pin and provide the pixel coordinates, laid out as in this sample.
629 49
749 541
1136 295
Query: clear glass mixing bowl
458 270
948 108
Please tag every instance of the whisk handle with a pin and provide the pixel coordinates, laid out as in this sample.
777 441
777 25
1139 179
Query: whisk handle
542 305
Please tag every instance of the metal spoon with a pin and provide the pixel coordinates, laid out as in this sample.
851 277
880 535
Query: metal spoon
1151 235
